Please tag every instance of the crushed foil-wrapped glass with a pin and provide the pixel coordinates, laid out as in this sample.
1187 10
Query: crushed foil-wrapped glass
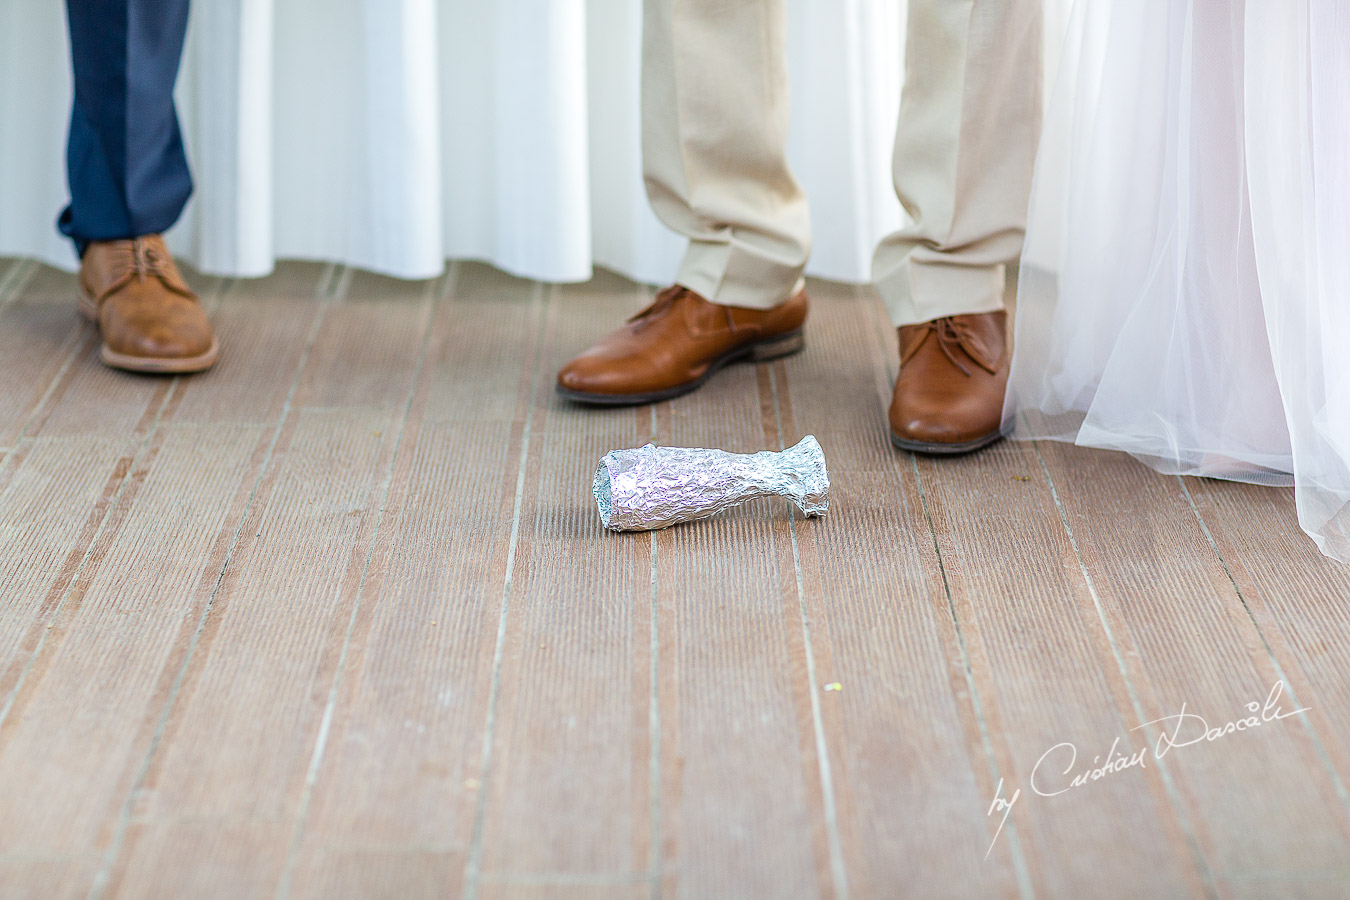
655 487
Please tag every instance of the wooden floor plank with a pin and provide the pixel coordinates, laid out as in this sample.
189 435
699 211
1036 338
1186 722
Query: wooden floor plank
1188 639
264 327
1296 596
737 752
568 772
241 736
879 621
125 627
396 874
564 891
398 782
44 879
52 504
88 406
364 355
69 759
39 335
1047 680
1049 683
53 362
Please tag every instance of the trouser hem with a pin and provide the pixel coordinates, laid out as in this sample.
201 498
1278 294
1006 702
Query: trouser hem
920 292
732 276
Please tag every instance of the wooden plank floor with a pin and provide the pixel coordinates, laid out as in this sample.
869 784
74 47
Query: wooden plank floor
338 619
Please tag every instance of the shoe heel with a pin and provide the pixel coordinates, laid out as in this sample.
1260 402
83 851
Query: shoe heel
778 347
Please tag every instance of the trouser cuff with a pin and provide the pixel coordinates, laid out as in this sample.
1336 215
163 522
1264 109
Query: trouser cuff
729 274
919 292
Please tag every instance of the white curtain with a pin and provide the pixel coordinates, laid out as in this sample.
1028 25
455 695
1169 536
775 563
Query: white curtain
393 134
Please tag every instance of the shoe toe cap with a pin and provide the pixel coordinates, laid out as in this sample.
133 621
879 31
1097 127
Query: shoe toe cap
947 418
927 430
159 339
603 375
156 344
581 375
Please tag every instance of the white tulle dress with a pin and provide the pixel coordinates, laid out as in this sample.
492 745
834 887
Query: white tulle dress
1185 286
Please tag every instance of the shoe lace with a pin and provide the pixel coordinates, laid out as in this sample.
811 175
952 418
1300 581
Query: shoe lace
664 300
146 259
140 258
952 335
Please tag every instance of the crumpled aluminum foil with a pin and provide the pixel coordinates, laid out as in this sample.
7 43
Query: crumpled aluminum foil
655 487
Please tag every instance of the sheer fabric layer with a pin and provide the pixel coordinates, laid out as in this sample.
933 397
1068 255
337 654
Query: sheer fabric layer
1185 290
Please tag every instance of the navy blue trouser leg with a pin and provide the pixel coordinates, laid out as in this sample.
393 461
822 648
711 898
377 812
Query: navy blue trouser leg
125 161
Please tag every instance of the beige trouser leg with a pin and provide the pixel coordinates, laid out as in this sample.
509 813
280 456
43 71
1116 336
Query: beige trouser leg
964 151
714 130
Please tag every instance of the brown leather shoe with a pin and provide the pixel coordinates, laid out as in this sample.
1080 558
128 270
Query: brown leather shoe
678 343
953 373
149 317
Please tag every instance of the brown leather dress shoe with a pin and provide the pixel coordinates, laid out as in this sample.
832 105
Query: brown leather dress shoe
150 319
953 373
678 343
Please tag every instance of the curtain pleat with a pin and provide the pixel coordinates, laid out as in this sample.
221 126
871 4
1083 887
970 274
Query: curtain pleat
394 134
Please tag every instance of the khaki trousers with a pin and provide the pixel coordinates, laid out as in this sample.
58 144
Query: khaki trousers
715 113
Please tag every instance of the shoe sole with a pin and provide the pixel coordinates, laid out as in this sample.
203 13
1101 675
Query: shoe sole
762 351
929 448
154 365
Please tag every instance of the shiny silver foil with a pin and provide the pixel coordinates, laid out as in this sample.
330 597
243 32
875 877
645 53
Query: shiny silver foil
655 487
